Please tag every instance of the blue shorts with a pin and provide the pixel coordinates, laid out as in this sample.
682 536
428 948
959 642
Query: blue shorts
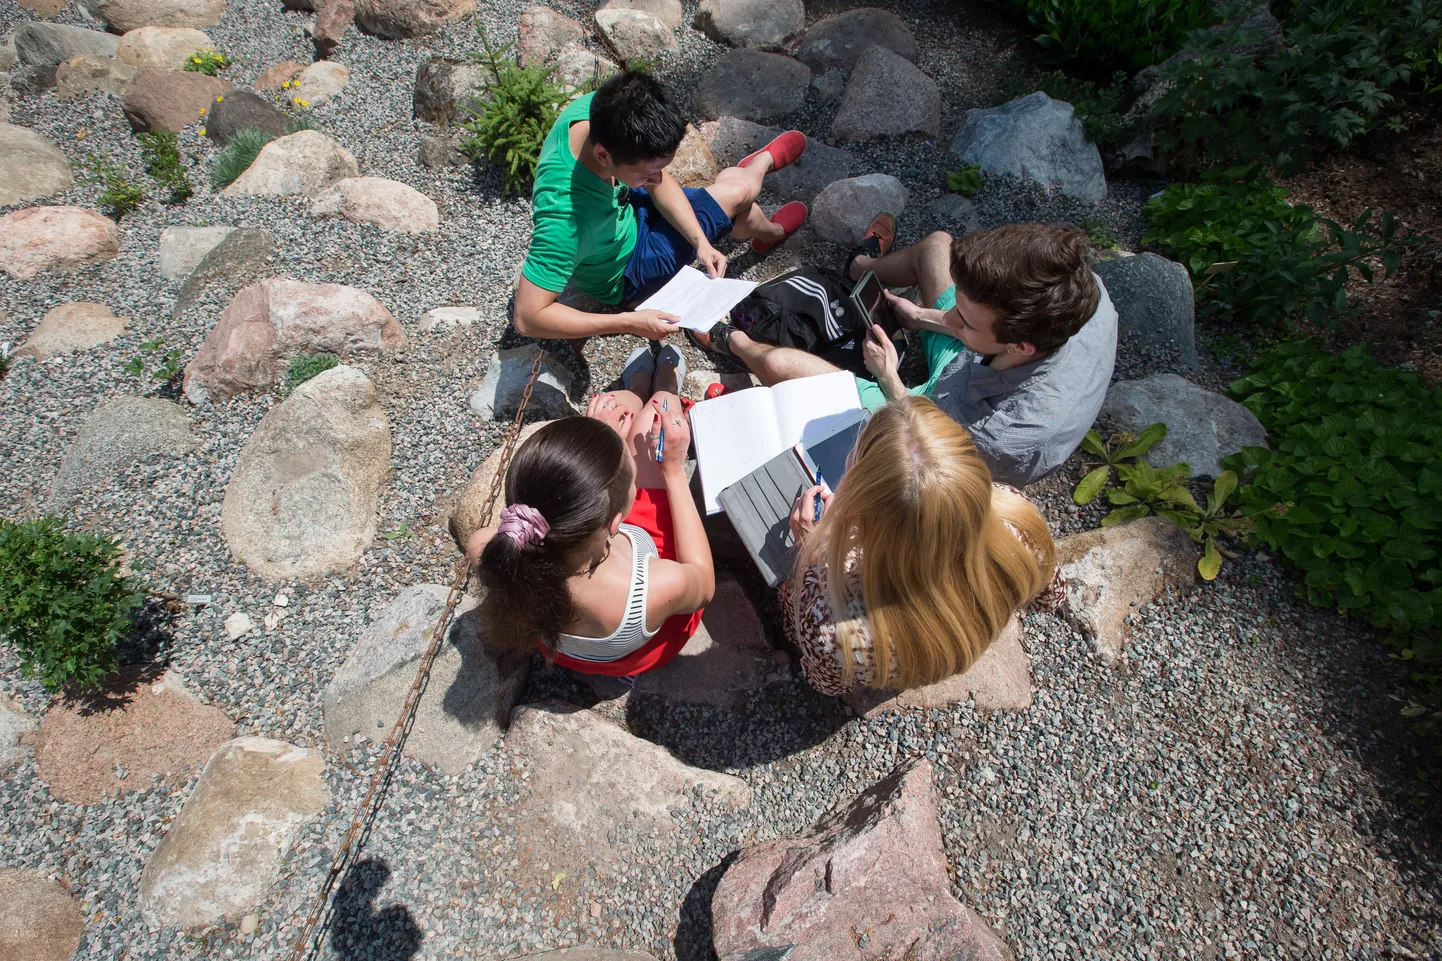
660 251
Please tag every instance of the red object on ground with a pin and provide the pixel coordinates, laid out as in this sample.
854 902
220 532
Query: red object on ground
783 150
651 513
716 390
791 217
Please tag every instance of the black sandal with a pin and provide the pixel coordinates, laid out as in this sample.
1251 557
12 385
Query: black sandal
717 339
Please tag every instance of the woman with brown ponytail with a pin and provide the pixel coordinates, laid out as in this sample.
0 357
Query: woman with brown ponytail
599 557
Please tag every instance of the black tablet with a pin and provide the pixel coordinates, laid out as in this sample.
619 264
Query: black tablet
870 299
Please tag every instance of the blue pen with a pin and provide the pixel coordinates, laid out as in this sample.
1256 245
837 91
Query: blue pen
822 484
661 437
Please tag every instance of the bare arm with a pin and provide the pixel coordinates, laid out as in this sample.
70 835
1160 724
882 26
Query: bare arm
539 314
688 583
671 200
913 317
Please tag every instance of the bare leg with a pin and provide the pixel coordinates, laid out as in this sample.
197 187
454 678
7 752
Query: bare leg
735 191
927 264
775 364
640 384
666 381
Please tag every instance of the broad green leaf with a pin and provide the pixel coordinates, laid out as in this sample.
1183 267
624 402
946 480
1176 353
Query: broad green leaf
1211 562
1092 444
1124 515
1091 485
1145 441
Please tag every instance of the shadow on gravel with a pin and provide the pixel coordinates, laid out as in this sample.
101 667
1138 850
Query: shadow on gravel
693 941
359 931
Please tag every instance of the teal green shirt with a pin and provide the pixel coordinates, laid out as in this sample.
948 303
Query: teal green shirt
581 229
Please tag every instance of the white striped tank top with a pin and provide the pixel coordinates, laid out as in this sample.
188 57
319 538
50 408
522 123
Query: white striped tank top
631 635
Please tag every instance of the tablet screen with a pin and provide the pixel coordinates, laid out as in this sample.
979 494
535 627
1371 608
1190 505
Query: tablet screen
868 297
829 455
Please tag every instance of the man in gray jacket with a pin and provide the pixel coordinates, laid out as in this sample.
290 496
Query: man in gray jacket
1020 338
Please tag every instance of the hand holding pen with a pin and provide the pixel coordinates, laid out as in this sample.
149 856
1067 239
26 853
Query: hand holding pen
807 511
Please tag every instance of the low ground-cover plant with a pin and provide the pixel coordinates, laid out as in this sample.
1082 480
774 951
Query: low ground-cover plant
235 157
1236 99
164 371
119 195
208 61
966 181
517 108
1100 107
1101 36
1259 258
64 605
305 366
1351 492
161 150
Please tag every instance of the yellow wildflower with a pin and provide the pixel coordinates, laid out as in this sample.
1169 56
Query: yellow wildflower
202 111
195 60
286 84
219 99
305 103
202 131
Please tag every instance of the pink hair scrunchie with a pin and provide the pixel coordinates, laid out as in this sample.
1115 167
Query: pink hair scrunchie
523 524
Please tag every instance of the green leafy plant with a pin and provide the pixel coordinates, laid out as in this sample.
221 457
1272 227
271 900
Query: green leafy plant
64 605
1100 107
1116 451
1252 254
305 366
517 108
168 367
401 533
161 150
235 158
119 196
1099 35
208 61
966 181
1351 493
1239 100
1101 234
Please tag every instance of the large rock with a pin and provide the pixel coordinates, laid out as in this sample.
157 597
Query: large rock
62 239
126 15
116 435
869 881
499 396
302 499
241 109
1202 427
88 749
1155 304
838 42
398 19
543 34
635 34
16 726
584 953
31 166
842 211
752 85
183 248
466 517
468 699
222 856
724 663
237 260
170 99
332 20
82 76
45 8
165 48
70 328
270 322
1034 138
694 165
305 163
389 204
731 139
593 786
578 67
439 151
1113 571
41 44
444 89
765 24
999 680
275 77
669 12
887 96
41 920
321 81
443 320
27 82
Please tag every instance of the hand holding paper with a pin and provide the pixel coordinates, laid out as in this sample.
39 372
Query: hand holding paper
697 299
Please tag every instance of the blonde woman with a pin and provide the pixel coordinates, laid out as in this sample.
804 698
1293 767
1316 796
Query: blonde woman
917 562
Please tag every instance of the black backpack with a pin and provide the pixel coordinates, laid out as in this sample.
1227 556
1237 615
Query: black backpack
808 308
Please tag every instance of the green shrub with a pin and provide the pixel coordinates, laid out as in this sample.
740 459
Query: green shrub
1328 84
235 158
1351 492
966 181
1252 254
63 603
161 150
208 61
1101 36
518 108
119 196
305 366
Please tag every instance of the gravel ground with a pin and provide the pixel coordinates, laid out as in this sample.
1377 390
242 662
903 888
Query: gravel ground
1240 788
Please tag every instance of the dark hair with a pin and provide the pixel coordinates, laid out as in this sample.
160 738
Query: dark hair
1037 277
576 473
632 117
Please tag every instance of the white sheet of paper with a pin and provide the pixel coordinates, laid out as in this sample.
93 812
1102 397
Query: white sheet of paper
697 299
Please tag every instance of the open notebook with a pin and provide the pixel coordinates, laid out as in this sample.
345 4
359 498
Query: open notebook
737 433
698 300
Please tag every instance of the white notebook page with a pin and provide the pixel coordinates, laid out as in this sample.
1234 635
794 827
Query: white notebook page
697 299
809 408
735 434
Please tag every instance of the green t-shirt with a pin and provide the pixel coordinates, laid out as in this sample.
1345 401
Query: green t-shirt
580 228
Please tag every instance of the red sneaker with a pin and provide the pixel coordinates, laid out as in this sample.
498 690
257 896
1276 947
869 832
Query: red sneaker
790 217
783 150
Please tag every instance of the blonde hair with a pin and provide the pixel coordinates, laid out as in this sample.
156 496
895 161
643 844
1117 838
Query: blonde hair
940 572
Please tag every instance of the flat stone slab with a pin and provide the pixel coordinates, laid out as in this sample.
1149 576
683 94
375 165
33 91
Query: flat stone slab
31 165
499 395
732 138
183 248
71 328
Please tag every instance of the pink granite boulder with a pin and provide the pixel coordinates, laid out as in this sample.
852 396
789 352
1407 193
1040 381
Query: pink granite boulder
62 239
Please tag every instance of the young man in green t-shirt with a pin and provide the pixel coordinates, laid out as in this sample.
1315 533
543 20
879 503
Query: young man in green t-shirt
607 217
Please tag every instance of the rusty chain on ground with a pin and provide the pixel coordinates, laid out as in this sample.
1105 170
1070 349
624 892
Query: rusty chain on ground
312 932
